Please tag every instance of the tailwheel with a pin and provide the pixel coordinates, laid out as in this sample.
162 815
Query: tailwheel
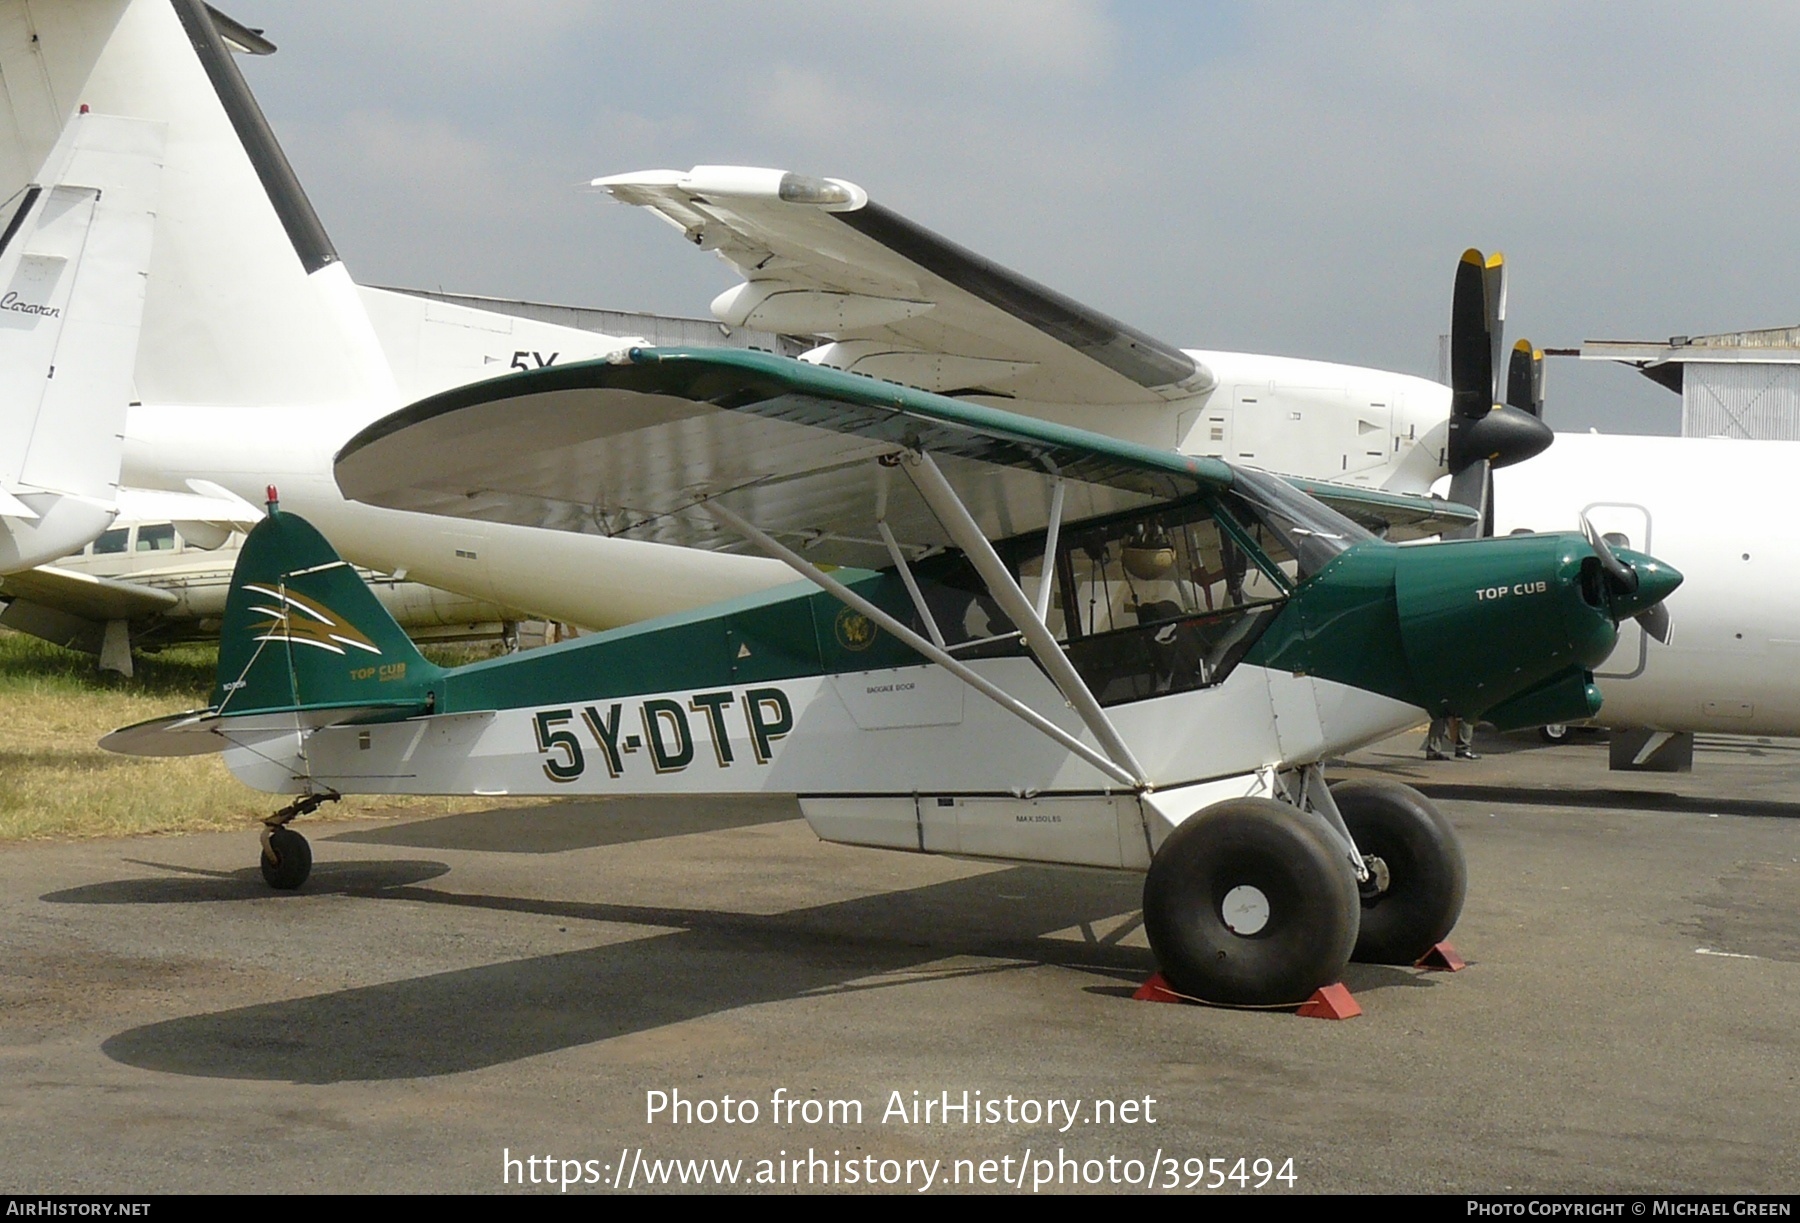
1417 876
286 858
1251 902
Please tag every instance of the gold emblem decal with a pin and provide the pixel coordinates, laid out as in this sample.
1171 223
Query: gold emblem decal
855 631
302 621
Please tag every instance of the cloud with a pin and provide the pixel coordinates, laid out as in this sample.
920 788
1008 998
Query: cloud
1295 179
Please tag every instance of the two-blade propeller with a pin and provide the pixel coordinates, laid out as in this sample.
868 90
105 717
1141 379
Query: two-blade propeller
1626 585
1484 433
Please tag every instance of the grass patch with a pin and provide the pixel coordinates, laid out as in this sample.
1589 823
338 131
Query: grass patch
57 783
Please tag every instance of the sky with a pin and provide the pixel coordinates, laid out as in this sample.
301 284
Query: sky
1292 178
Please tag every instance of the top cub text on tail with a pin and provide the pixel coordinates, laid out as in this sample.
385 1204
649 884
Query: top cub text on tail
1020 640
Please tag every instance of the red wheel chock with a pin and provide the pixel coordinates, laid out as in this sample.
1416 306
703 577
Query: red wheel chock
1157 990
1330 1002
1441 958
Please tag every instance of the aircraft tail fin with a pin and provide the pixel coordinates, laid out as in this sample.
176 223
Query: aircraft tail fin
304 645
302 632
74 253
247 303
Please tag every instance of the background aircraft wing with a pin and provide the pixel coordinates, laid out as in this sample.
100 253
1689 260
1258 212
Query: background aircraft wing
73 609
1393 516
897 301
84 595
638 447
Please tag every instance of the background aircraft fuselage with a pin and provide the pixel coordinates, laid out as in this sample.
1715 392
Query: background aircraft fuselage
1721 511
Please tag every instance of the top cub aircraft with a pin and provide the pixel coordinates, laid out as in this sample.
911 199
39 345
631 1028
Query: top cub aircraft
1021 641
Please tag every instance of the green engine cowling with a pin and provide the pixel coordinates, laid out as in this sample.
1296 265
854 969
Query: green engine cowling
1572 696
1507 628
1485 622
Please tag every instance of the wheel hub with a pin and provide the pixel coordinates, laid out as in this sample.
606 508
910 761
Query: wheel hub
1380 879
1245 910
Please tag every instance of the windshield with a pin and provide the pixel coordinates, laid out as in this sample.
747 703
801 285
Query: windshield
1309 532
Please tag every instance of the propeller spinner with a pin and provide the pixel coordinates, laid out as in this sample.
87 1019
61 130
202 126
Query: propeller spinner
1634 587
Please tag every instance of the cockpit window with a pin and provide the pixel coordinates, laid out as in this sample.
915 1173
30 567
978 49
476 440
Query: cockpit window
1151 569
1290 526
113 541
1154 603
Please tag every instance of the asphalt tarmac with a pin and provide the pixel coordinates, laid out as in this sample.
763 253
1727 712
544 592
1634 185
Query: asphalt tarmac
451 993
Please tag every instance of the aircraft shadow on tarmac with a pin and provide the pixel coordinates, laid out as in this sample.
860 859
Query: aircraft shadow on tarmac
714 961
192 885
1611 800
554 827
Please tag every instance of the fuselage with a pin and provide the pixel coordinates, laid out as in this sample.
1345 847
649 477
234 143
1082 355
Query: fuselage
903 757
1719 511
424 347
157 555
587 580
1215 688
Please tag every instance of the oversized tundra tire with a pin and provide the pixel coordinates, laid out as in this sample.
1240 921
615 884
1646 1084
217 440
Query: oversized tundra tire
1420 878
1251 902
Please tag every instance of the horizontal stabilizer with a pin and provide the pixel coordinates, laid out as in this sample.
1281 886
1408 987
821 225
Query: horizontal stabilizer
219 506
200 732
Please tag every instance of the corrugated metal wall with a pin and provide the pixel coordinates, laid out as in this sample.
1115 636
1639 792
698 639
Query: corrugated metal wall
1741 399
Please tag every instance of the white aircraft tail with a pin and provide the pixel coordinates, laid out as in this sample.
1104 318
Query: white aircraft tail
247 304
74 253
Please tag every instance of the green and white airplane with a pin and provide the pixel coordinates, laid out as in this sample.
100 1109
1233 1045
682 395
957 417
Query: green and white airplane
1020 641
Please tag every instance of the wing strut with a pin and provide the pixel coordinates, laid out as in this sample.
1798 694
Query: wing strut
912 583
1128 776
1047 580
967 535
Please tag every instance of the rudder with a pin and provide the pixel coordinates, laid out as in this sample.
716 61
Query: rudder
302 631
74 254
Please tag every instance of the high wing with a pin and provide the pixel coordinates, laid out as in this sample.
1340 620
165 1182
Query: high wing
632 448
628 449
899 302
